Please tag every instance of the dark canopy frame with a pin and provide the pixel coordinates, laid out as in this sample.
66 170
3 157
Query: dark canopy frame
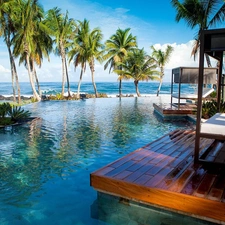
212 42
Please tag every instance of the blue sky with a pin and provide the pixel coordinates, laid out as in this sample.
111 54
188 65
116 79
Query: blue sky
153 22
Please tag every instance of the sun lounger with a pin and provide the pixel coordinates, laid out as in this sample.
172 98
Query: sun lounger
214 127
206 92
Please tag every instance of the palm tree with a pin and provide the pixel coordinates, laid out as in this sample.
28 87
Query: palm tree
161 58
27 27
42 47
86 48
117 48
200 14
138 66
7 29
62 29
95 46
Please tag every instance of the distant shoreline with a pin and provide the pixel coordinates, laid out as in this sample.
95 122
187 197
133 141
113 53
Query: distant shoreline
86 95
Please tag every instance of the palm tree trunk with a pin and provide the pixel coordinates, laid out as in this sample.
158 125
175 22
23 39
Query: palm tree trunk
35 94
17 81
161 80
136 87
36 78
159 88
14 76
13 68
67 78
78 88
92 78
120 88
13 83
208 60
11 65
63 77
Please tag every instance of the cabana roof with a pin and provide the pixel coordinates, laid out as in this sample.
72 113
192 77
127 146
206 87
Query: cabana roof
189 75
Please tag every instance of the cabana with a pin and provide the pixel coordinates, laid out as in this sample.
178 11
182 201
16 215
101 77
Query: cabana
213 44
189 75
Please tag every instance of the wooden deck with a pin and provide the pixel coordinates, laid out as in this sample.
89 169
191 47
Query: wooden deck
163 174
168 109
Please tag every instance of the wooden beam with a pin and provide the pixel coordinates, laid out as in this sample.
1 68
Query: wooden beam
213 211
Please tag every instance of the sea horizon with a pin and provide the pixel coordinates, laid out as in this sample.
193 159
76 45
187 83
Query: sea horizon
108 88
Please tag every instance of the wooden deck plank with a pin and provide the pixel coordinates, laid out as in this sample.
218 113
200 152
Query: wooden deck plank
217 189
143 179
133 176
204 187
179 184
220 157
122 175
138 173
141 163
192 185
105 170
159 176
120 168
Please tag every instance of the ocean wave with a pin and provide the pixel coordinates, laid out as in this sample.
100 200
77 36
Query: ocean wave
111 89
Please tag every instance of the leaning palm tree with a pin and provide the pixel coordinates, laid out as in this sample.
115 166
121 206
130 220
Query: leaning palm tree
200 14
62 29
116 49
86 48
27 26
42 47
7 29
138 66
161 58
95 46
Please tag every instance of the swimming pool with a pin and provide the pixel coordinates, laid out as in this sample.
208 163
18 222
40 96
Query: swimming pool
45 166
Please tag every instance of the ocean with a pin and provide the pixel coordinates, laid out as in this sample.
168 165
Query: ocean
109 88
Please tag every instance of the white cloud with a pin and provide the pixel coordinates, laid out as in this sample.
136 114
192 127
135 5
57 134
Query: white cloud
4 70
181 57
5 74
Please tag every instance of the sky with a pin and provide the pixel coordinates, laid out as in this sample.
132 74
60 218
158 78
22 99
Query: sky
152 22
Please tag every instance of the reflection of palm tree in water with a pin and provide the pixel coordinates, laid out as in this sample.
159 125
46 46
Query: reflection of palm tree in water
87 135
125 122
34 160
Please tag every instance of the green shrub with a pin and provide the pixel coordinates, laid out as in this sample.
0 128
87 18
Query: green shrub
10 114
213 94
209 108
17 113
33 100
4 109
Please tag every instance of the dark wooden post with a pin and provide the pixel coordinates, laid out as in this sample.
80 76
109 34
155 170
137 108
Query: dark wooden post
199 107
219 81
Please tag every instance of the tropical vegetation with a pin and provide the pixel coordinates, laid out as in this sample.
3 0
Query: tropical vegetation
161 58
210 108
86 47
61 29
201 15
138 66
116 50
11 114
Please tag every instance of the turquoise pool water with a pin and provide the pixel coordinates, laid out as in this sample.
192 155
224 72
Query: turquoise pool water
45 167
